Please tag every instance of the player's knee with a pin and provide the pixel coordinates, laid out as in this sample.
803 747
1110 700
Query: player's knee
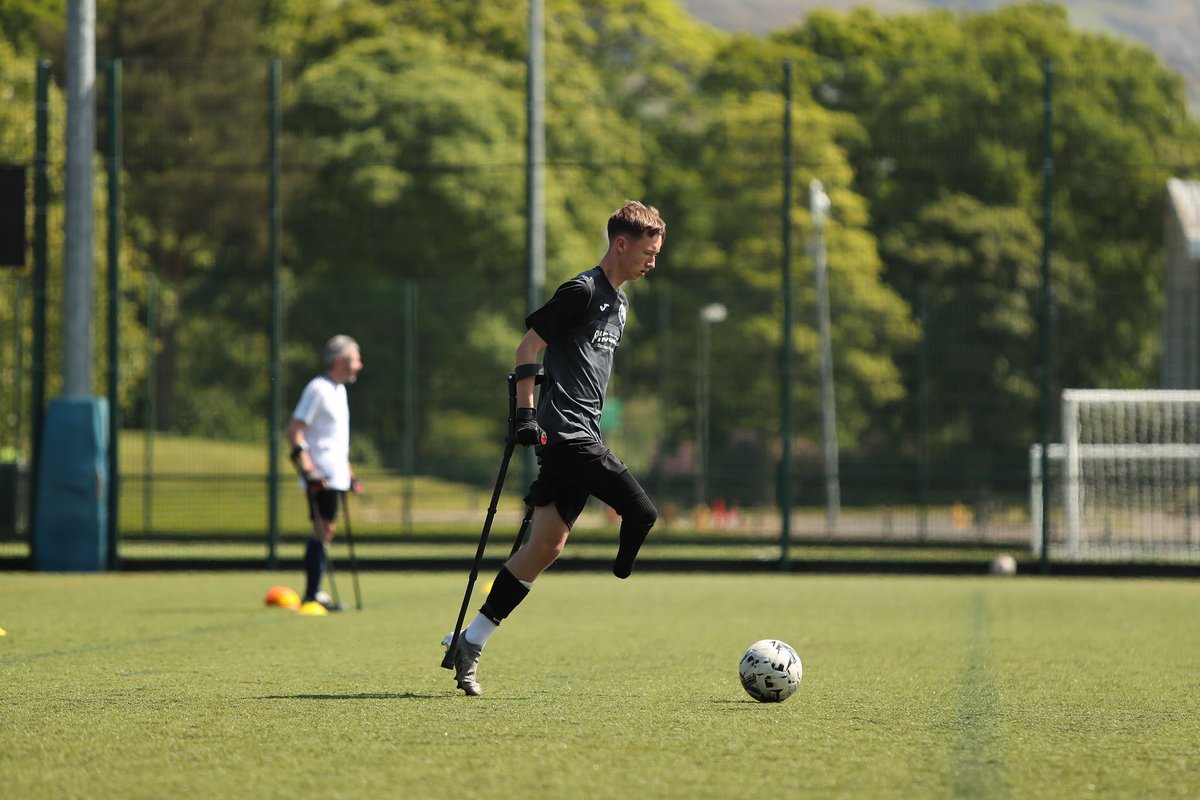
551 550
547 546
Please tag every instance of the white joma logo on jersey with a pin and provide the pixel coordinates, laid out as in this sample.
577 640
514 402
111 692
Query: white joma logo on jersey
604 306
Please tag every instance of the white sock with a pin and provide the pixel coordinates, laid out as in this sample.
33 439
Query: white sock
479 630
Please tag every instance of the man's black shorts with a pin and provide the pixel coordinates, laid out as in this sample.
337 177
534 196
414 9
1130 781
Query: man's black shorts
326 502
568 472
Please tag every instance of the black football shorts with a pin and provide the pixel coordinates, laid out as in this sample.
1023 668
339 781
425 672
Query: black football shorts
568 472
325 502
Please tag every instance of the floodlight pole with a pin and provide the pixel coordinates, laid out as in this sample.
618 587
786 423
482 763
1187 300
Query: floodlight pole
79 278
114 301
535 175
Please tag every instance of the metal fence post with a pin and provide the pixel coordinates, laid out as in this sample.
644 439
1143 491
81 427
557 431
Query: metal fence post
114 299
273 432
1047 310
41 198
785 367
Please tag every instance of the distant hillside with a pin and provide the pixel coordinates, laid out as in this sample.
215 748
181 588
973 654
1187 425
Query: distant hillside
1169 27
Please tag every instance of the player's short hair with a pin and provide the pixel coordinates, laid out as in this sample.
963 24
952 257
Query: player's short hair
337 347
637 220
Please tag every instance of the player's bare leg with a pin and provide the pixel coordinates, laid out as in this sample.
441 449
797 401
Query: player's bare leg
547 538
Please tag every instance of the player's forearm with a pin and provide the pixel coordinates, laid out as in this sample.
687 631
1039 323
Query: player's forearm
298 446
528 352
525 393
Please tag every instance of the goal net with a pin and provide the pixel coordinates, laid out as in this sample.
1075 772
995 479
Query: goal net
1125 482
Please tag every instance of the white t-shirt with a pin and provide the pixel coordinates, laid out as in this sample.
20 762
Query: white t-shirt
326 415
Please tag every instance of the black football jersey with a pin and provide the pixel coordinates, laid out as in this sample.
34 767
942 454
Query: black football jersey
582 325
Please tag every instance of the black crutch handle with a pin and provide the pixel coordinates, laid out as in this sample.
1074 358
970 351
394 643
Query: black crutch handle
535 371
350 543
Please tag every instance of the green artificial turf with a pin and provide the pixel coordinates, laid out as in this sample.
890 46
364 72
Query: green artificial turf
184 684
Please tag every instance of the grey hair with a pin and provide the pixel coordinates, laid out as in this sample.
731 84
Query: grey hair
338 346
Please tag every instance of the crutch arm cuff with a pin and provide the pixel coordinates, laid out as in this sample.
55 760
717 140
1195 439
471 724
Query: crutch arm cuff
536 371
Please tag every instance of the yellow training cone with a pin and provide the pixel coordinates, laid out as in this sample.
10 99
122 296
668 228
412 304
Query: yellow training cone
313 609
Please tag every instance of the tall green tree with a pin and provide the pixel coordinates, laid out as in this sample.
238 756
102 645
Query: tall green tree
413 175
971 272
951 106
722 169
195 128
408 124
34 27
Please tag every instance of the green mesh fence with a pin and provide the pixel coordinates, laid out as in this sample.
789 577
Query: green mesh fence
403 225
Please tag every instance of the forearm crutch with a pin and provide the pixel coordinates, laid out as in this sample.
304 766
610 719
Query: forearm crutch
510 443
350 543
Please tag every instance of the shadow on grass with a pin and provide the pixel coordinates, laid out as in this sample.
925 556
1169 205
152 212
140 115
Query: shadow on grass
744 703
359 696
226 610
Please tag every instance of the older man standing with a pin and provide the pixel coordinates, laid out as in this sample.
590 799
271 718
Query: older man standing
319 435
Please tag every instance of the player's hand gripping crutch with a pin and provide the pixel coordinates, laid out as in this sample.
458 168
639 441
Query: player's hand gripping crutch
528 434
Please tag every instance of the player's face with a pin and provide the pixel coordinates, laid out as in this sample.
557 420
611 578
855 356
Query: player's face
639 256
350 365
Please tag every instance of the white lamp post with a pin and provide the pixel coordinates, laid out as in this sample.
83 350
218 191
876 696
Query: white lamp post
709 316
819 209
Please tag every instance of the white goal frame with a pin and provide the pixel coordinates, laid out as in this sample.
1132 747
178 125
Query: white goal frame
1130 480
